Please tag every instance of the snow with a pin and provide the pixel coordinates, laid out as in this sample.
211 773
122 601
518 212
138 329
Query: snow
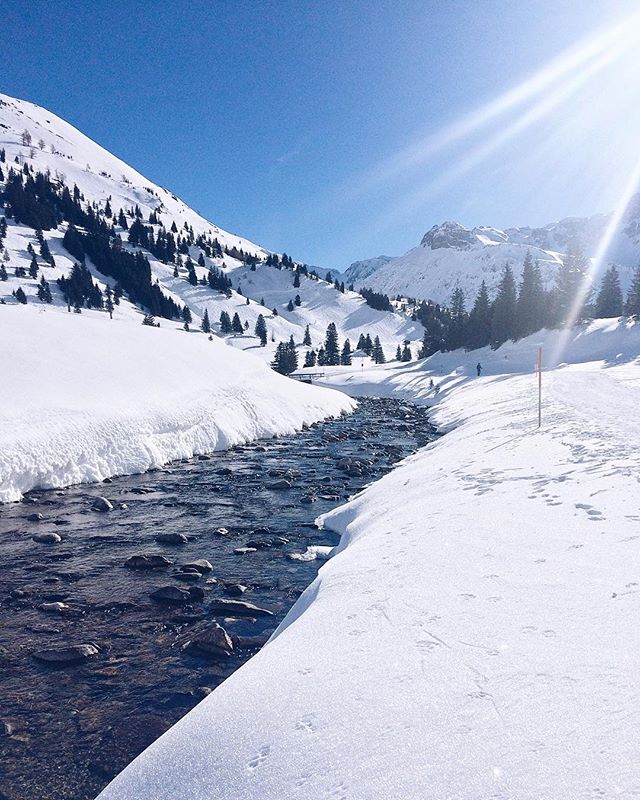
84 398
475 633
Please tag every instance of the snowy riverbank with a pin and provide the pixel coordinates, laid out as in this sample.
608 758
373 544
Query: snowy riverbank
84 398
476 635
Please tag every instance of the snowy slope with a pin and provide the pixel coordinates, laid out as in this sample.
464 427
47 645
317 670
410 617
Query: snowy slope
80 405
476 635
66 153
451 255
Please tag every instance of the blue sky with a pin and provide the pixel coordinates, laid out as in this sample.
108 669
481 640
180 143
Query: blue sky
278 120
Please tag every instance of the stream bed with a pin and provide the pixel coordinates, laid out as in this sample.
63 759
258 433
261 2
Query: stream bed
93 667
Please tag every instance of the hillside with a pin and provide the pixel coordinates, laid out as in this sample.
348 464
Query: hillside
451 255
167 231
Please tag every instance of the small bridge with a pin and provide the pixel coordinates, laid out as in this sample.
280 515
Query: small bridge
307 377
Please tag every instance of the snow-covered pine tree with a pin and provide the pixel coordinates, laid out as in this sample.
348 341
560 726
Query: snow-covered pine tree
306 340
225 322
378 352
345 356
236 324
331 346
205 324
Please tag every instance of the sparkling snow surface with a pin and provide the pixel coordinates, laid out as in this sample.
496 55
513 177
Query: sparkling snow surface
476 634
85 397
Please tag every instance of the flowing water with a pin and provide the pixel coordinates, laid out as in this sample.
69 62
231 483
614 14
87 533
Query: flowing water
67 729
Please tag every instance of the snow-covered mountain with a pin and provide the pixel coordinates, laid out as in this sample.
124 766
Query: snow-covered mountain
36 140
451 255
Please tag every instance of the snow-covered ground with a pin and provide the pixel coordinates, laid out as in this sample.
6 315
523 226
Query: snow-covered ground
476 634
85 398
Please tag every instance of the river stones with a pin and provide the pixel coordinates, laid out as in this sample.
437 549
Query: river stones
171 594
235 589
212 641
47 538
238 608
102 504
72 654
188 575
280 485
199 565
37 517
171 538
243 551
54 608
146 561
225 471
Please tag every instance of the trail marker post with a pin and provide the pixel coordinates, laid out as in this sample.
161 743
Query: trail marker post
539 387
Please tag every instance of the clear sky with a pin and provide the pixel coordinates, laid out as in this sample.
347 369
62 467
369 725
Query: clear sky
313 127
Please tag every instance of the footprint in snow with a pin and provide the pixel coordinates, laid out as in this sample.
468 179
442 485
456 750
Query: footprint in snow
259 758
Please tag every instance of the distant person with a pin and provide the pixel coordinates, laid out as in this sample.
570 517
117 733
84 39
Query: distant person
479 368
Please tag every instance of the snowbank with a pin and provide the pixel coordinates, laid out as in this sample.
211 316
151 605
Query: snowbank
83 398
476 634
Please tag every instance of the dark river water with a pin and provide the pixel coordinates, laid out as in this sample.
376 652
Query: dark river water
67 729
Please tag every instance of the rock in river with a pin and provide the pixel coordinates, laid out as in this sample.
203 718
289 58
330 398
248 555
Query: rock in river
213 641
47 538
171 538
146 561
238 608
171 594
199 565
74 654
102 504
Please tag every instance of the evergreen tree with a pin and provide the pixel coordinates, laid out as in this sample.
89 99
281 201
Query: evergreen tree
456 330
44 291
306 341
331 347
632 307
406 352
286 358
296 280
398 353
108 303
609 300
321 358
21 297
290 305
3 273
149 320
345 356
530 306
191 272
205 324
297 301
236 325
571 292
377 352
33 267
368 345
260 330
503 320
479 327
362 342
310 358
225 322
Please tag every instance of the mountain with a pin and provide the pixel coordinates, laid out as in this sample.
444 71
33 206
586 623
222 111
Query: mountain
451 255
120 199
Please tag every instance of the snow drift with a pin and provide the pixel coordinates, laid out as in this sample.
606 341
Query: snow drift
85 398
476 634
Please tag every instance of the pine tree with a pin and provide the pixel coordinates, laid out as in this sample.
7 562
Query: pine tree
479 327
306 341
108 303
20 295
225 322
205 324
33 267
632 307
286 358
503 321
345 356
456 330
368 345
297 301
377 351
398 353
609 300
149 320
362 342
571 292
331 347
310 358
296 280
236 325
530 306
191 272
260 330
321 357
290 305
3 273
406 352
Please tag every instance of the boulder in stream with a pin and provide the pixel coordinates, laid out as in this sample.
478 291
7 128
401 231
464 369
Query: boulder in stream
72 654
